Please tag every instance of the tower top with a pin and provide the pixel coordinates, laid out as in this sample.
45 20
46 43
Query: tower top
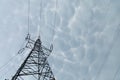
36 64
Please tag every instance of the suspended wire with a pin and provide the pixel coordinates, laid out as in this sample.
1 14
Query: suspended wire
6 71
54 24
3 74
11 58
112 44
117 72
28 16
5 65
40 16
2 67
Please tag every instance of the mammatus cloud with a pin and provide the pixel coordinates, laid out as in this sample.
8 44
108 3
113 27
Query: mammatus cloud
85 38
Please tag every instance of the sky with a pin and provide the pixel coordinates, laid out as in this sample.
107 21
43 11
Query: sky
86 37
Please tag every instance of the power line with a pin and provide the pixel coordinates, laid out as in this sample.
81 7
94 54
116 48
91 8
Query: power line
40 17
2 67
117 72
5 66
10 60
28 16
108 53
54 24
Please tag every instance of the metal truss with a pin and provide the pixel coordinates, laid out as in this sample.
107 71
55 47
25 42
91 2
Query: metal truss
36 64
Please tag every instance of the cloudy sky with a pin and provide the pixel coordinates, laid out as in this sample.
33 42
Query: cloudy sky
86 37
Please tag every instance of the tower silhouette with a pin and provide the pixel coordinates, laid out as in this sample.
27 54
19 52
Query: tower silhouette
36 64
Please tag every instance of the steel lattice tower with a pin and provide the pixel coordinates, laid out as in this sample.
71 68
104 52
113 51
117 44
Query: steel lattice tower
36 64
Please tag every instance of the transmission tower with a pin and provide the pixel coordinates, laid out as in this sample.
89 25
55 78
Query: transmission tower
36 64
